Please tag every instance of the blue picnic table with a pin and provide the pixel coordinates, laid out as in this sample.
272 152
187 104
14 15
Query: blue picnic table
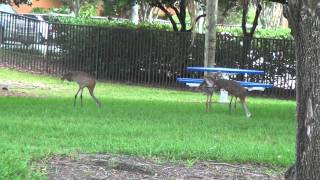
223 94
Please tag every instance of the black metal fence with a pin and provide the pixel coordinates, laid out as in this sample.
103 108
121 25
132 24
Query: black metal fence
137 56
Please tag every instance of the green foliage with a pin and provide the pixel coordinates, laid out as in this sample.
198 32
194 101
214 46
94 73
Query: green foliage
113 7
62 10
154 26
88 10
39 10
279 33
93 22
110 23
17 2
272 33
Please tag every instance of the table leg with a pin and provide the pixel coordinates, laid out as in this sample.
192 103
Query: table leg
223 93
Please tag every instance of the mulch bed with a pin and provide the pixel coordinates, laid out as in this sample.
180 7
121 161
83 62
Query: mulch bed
110 166
18 88
6 92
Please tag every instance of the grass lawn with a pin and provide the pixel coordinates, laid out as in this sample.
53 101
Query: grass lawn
138 121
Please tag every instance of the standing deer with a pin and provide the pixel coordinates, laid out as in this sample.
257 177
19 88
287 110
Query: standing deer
84 80
233 87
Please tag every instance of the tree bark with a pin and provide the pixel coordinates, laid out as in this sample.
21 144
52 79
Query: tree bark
211 37
134 14
304 17
247 36
75 6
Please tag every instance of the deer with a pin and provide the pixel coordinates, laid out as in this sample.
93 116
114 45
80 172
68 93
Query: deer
215 81
84 80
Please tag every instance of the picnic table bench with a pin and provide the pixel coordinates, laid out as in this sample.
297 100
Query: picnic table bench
249 85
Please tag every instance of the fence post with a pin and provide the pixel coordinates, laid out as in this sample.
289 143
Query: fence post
1 35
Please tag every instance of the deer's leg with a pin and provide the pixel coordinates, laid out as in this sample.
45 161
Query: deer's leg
245 107
207 103
230 104
210 101
75 97
81 95
235 103
98 103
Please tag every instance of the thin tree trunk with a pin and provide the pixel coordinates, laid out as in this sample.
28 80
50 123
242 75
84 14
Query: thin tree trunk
211 37
134 14
77 7
247 36
201 21
305 20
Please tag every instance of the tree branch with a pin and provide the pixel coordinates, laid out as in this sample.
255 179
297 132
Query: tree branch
202 15
183 15
197 19
280 1
256 17
174 24
180 14
230 5
244 16
176 11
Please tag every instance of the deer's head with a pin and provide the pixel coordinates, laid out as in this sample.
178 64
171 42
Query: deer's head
208 80
66 76
217 75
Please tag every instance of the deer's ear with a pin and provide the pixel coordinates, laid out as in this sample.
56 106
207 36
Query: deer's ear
208 82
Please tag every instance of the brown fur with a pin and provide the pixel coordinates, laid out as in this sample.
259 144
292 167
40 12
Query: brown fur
214 81
84 80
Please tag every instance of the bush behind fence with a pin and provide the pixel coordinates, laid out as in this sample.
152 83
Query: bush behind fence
140 56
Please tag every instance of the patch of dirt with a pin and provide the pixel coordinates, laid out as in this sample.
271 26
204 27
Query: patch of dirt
109 166
22 85
15 88
6 92
7 88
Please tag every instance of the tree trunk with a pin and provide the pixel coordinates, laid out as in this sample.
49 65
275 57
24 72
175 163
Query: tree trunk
247 36
271 15
211 37
201 21
75 7
134 14
304 17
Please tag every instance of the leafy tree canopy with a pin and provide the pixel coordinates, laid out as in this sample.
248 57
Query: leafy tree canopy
16 2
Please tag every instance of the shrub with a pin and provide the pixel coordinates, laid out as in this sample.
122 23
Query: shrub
273 33
39 10
110 23
88 10
62 10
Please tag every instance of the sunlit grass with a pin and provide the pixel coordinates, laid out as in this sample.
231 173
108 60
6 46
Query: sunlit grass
140 121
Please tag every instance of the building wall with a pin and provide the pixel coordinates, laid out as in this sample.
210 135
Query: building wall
41 3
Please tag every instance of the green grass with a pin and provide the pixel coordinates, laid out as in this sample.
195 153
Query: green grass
139 121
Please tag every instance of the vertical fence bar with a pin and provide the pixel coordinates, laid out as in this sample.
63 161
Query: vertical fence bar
112 60
107 52
141 52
